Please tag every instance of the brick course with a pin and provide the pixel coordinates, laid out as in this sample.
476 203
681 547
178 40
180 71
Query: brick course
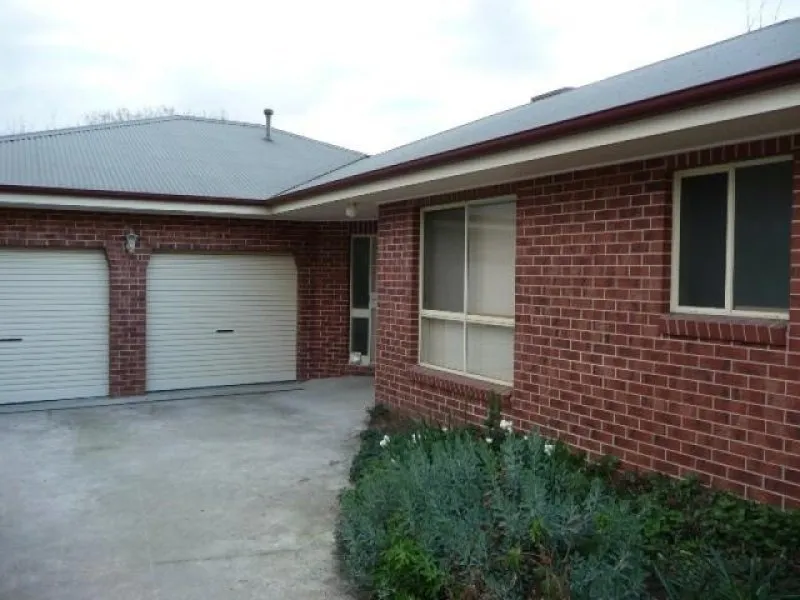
599 362
321 252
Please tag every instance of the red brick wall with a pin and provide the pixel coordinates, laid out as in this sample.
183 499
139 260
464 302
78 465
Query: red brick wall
328 314
599 362
321 253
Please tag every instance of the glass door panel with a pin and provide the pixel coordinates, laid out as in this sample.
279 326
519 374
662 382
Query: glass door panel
362 299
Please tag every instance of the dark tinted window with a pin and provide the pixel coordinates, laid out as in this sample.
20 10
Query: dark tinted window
703 214
443 246
361 272
359 335
762 235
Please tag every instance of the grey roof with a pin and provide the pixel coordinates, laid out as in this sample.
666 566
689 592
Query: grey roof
176 155
760 49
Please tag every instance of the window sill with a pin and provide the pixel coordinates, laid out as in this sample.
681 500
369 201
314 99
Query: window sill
760 332
460 385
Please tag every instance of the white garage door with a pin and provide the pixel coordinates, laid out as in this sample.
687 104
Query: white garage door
53 325
215 319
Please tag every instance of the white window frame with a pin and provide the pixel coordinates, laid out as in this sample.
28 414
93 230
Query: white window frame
461 317
728 311
369 312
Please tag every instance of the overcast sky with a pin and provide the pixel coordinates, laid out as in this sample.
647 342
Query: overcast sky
366 74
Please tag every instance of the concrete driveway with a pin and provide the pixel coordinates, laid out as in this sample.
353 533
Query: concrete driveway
206 498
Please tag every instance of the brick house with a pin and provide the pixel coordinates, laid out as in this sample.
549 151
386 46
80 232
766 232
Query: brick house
213 292
619 261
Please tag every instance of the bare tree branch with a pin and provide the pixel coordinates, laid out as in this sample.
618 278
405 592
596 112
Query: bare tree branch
16 126
759 18
777 11
125 114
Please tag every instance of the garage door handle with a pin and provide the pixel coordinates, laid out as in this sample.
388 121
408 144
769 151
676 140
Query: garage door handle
10 339
225 330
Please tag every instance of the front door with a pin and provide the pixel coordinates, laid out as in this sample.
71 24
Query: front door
363 299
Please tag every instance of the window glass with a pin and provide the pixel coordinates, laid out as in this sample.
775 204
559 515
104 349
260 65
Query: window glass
443 343
443 269
763 222
361 272
490 351
491 241
460 340
359 335
703 224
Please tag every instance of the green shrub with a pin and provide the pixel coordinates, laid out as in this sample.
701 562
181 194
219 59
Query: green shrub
709 575
368 452
405 569
489 513
684 514
500 519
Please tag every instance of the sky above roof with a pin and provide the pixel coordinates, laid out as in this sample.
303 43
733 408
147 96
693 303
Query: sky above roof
359 73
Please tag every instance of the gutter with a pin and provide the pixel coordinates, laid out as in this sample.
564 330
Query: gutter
702 94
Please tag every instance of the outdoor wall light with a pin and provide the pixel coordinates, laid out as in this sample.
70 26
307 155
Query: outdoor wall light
130 242
351 210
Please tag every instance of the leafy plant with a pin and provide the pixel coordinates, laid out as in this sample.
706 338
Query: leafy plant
405 569
684 515
708 575
447 508
369 451
495 428
482 513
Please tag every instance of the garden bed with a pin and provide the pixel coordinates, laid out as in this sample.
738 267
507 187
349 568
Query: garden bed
488 512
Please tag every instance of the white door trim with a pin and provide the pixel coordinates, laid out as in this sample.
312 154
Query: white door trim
368 313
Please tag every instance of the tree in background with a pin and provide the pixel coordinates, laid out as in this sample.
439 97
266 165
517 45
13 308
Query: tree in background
119 115
100 117
760 13
148 112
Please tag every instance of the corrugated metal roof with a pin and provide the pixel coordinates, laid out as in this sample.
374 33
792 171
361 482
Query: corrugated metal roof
754 51
180 155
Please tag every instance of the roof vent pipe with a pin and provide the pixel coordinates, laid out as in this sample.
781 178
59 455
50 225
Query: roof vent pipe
268 112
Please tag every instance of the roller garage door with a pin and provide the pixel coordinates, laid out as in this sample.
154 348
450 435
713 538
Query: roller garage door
53 325
216 319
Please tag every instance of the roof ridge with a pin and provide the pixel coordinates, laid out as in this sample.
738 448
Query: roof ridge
307 181
330 145
31 135
261 126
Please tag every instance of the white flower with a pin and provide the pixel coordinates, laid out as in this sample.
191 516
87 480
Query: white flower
489 440
525 437
444 429
385 441
414 437
506 425
549 448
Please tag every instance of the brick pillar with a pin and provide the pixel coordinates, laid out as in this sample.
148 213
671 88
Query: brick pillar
127 275
398 297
